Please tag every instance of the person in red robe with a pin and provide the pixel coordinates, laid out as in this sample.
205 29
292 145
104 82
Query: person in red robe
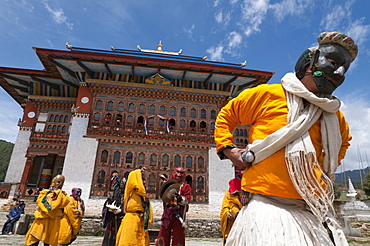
174 214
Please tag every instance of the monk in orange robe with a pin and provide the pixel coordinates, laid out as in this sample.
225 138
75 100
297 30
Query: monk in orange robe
133 229
72 217
231 203
45 227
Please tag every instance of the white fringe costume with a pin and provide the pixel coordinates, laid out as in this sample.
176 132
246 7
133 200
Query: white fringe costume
291 221
273 221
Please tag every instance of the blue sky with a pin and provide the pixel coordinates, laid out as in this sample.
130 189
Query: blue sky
269 34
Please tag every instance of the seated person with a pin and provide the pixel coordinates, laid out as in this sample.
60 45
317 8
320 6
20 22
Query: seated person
13 217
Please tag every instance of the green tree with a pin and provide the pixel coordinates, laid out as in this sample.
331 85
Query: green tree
337 190
366 184
6 149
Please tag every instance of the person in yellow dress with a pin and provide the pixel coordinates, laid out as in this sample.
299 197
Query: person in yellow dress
72 217
133 230
51 202
231 203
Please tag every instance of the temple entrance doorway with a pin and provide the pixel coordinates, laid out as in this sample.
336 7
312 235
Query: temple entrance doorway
43 169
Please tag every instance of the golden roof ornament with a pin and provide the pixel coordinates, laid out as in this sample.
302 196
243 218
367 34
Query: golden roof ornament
160 46
159 50
68 46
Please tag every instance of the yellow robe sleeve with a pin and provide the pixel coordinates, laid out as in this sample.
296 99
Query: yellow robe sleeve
346 137
225 209
70 223
248 108
57 199
234 203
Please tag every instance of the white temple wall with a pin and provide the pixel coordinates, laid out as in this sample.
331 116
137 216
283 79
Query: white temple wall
18 158
80 157
220 172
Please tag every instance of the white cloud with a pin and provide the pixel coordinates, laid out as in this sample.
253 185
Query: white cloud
253 13
290 7
12 14
334 19
357 112
234 39
58 15
222 18
190 31
216 53
358 31
340 19
233 42
218 17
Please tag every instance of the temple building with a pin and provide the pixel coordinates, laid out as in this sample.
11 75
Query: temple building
90 112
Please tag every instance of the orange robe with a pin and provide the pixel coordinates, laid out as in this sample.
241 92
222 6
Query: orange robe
230 204
71 221
45 227
264 108
131 231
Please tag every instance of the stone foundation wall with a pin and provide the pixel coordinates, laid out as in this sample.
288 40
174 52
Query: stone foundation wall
91 226
364 227
197 210
203 228
196 228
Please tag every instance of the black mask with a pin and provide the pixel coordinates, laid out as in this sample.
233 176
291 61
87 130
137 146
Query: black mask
332 63
328 66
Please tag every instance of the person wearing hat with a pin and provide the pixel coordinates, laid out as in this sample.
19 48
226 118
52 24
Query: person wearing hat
298 136
13 217
72 217
138 212
50 202
232 202
176 195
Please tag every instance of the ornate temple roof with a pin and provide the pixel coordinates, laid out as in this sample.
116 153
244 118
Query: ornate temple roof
65 69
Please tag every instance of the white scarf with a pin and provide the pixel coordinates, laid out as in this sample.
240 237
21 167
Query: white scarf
300 153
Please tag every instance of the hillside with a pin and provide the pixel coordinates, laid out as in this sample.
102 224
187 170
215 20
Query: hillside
6 149
354 175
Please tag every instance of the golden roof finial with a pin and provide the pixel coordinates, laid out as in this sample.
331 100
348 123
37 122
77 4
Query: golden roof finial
159 50
160 46
68 46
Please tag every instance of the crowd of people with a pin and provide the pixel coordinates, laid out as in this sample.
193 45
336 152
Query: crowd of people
282 193
127 221
58 217
127 213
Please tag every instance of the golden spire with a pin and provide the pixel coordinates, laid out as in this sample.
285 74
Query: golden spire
160 46
159 50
